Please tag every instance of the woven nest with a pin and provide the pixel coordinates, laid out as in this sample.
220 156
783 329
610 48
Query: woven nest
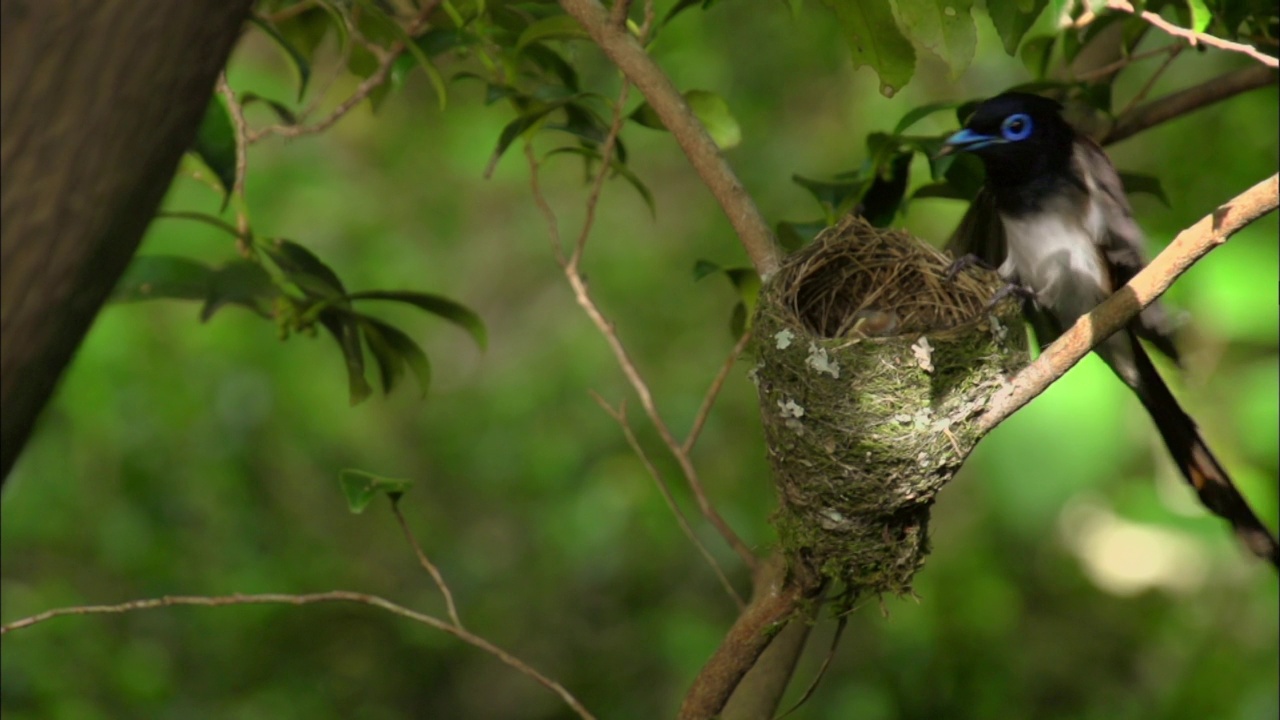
872 368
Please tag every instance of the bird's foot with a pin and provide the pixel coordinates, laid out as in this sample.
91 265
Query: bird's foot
964 262
1021 292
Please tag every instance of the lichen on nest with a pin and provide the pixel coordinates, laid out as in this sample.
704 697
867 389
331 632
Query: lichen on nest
871 369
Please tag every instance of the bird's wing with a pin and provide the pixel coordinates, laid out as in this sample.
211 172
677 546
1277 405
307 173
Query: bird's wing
1122 242
980 232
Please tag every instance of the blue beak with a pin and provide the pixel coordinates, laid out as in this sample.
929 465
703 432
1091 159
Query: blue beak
968 140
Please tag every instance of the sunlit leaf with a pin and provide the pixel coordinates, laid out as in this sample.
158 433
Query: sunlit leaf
713 112
944 28
360 488
1012 22
437 305
874 39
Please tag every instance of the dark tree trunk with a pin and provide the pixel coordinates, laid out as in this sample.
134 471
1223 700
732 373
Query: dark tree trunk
98 101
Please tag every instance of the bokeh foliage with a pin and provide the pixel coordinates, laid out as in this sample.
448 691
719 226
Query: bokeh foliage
182 457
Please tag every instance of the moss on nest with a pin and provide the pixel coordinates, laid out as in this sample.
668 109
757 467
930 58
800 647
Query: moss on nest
871 370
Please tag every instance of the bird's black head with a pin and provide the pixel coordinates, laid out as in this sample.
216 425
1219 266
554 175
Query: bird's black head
1019 137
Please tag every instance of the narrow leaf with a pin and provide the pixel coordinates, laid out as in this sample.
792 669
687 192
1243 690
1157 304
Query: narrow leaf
556 27
617 168
296 58
437 305
302 267
389 361
215 145
346 331
408 351
240 282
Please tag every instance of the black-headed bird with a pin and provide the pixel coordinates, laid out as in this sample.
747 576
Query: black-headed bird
1053 219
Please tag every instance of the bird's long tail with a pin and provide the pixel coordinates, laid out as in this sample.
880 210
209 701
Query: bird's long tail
1198 464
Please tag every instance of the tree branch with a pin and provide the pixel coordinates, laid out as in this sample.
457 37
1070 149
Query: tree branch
1118 310
1193 37
630 57
779 598
308 599
1185 101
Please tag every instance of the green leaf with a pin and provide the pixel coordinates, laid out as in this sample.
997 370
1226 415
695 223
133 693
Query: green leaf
617 168
1135 183
215 145
1012 22
944 28
360 488
713 112
282 111
795 235
296 58
345 329
556 27
302 267
646 116
833 196
240 282
874 39
1036 53
388 25
403 346
514 129
920 113
390 363
550 61
150 277
437 305
745 281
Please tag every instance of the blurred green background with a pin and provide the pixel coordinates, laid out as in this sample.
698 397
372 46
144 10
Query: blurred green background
1073 575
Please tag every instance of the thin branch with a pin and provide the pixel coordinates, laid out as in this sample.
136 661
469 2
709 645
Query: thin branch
1119 309
242 160
709 400
619 416
1142 93
630 57
362 91
1124 62
1183 102
638 383
426 564
307 599
1193 37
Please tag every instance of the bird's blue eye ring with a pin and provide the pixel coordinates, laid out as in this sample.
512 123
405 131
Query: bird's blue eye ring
1016 127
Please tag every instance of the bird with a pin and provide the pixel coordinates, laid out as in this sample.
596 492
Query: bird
1053 220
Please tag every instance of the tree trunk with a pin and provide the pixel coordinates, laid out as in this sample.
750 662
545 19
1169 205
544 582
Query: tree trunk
98 101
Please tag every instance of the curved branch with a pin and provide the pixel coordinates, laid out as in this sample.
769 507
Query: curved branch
631 58
1191 36
1118 310
308 599
1185 101
780 599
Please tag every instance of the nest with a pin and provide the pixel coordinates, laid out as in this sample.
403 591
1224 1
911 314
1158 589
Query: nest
872 368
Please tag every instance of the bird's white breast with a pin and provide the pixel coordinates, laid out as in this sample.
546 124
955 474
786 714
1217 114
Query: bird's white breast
1055 253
